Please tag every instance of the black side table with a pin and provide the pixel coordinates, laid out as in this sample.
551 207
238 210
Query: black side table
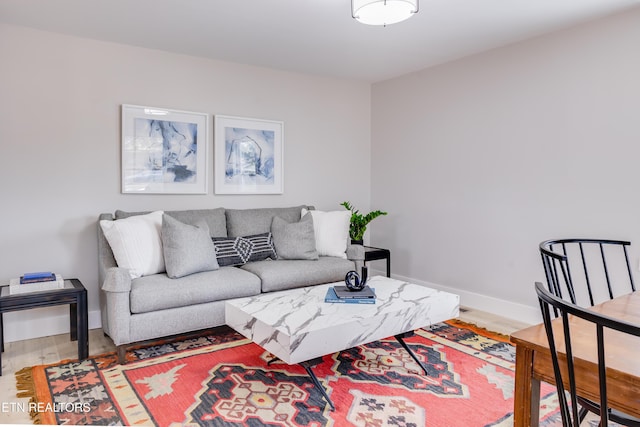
73 294
372 254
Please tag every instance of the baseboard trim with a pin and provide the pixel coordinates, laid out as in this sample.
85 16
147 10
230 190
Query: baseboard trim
18 328
500 307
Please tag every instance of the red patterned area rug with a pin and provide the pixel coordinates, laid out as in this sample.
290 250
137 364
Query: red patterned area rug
220 378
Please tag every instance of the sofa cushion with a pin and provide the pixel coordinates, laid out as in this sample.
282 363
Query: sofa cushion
136 243
215 218
245 222
287 274
294 240
187 248
239 250
159 292
332 232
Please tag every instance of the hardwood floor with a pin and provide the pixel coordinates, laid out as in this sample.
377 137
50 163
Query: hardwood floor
39 351
491 321
46 350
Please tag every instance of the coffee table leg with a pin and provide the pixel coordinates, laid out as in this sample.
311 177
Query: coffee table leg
400 339
307 366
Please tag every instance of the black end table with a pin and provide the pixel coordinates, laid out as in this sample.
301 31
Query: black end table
372 254
73 294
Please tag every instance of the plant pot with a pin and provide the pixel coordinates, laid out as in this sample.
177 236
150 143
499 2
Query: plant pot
357 242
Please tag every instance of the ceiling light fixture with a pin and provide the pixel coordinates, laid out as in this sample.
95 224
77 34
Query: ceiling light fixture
383 12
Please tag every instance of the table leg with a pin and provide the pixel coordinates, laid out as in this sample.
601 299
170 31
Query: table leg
400 339
389 266
83 326
79 325
307 366
526 411
73 319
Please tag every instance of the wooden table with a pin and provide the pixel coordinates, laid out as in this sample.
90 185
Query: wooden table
533 362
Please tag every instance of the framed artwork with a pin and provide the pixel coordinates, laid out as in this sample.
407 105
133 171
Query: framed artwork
248 155
164 151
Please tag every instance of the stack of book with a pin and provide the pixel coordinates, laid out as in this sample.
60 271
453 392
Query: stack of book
340 294
34 282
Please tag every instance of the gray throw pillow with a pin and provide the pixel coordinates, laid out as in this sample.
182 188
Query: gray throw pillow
187 248
294 240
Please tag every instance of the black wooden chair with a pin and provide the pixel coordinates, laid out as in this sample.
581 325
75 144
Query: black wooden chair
571 416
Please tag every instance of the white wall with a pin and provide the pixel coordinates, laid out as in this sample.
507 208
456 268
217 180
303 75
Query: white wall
481 159
60 103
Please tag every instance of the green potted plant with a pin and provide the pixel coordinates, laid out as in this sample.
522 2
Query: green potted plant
359 222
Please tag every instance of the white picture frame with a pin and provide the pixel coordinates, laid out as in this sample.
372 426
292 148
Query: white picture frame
164 151
248 155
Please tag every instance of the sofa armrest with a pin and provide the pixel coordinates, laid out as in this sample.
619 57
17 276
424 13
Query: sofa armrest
355 252
116 311
117 280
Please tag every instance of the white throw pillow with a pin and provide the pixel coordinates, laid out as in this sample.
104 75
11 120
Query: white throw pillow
331 230
136 243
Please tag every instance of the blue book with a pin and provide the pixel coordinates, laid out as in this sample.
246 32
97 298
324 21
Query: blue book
41 276
331 297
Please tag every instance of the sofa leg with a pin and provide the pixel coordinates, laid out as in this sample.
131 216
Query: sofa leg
122 354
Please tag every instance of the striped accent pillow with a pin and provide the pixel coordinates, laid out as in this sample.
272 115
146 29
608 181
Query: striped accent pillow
240 250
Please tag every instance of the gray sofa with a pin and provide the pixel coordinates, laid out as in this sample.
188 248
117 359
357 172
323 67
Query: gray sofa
155 305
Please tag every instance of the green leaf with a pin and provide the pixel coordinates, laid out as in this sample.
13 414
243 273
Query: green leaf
358 223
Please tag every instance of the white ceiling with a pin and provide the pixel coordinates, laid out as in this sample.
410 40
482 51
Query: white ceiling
309 36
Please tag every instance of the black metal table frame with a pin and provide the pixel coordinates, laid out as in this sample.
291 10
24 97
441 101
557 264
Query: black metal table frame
309 364
372 254
76 297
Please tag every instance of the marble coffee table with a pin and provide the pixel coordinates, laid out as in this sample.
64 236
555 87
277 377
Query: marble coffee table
297 326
